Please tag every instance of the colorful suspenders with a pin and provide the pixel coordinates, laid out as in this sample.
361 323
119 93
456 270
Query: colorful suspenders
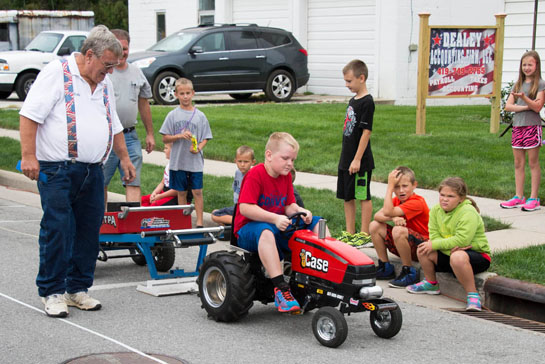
71 114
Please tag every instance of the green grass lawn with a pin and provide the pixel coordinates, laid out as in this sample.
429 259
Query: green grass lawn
218 193
525 264
458 140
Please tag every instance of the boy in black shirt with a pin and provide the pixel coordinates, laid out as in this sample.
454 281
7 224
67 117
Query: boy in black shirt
356 162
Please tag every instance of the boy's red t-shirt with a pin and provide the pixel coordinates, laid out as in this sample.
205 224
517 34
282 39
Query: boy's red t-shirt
259 188
417 213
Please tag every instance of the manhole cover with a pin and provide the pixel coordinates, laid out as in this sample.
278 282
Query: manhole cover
124 358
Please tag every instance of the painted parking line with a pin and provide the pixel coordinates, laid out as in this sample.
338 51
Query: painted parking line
130 348
100 287
17 221
18 232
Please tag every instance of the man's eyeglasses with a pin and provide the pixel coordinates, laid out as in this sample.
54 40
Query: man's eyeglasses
107 66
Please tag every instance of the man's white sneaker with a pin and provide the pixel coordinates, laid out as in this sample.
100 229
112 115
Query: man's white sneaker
55 306
82 300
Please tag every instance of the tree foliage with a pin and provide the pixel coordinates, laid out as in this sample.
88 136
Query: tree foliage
112 13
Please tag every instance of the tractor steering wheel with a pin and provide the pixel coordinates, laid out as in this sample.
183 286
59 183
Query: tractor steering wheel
298 216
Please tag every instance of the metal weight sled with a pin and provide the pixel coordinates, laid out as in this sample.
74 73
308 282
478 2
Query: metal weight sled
151 235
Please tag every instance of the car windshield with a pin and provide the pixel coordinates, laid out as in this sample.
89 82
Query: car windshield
173 42
44 42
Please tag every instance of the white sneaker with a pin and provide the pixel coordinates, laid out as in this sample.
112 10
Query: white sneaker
82 300
55 306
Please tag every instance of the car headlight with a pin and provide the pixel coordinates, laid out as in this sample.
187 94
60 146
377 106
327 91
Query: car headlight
144 62
4 66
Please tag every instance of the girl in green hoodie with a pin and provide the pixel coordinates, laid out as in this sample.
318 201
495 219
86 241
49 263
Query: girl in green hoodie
457 242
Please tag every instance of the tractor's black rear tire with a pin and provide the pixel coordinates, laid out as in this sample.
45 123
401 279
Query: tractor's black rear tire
386 324
329 327
226 286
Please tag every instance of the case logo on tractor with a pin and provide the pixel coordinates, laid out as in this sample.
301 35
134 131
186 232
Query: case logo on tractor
109 220
309 261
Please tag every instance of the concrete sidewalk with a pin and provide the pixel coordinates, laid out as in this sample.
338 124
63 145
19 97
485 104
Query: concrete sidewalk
527 227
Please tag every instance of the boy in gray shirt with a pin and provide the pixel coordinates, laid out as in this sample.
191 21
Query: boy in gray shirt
188 130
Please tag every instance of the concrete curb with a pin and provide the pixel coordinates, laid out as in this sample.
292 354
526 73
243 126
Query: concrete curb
449 285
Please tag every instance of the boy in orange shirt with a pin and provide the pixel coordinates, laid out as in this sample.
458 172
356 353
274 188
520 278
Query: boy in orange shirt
409 214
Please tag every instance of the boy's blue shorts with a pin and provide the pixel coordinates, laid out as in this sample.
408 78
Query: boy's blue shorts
182 180
248 235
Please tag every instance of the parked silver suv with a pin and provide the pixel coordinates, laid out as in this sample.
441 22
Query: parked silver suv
234 59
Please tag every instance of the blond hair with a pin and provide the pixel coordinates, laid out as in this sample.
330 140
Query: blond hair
244 149
406 171
459 187
183 82
357 67
281 137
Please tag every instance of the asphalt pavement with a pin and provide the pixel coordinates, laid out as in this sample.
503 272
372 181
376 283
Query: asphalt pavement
131 321
176 326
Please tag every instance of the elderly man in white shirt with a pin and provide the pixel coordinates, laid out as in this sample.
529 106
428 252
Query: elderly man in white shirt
68 125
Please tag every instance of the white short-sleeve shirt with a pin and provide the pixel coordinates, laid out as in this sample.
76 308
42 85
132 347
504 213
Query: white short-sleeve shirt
45 104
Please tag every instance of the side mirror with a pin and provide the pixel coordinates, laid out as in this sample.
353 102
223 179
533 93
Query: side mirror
196 49
64 51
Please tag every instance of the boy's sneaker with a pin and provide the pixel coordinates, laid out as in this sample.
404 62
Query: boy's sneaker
513 203
424 287
55 306
82 300
285 301
473 302
345 237
361 240
531 204
405 278
385 270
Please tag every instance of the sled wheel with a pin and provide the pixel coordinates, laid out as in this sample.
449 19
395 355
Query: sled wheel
329 327
140 259
164 256
386 324
226 286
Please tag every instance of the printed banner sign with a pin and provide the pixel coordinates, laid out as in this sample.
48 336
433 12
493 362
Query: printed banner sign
461 61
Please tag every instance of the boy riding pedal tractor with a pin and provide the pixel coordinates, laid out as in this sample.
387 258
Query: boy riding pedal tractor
266 200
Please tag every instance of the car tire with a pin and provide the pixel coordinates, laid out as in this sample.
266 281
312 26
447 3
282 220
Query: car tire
241 96
280 86
23 85
4 95
164 89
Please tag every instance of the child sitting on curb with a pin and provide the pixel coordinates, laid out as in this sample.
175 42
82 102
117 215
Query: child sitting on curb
457 243
409 214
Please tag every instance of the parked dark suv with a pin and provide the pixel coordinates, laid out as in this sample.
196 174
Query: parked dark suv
234 59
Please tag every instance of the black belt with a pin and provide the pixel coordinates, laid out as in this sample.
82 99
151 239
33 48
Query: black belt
128 130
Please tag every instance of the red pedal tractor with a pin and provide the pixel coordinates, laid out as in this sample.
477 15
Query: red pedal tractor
323 273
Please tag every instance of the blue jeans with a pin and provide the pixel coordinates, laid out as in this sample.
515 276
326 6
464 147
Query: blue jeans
249 234
73 209
134 147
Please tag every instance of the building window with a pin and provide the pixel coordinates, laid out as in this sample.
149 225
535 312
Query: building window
161 26
206 11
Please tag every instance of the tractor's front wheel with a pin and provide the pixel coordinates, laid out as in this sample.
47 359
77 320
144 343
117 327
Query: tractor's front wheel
386 324
226 286
329 327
